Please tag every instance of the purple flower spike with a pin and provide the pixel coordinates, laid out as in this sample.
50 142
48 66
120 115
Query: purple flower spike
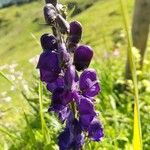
88 83
48 42
72 98
49 66
96 130
82 57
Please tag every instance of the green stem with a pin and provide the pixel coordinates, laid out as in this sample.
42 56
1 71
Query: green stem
137 134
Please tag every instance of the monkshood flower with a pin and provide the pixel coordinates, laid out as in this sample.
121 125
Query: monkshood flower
82 57
72 93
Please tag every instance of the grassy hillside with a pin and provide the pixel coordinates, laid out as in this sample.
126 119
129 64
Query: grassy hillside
20 30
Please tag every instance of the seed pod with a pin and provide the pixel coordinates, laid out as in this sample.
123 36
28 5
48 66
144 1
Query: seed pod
82 57
50 14
63 24
48 42
53 2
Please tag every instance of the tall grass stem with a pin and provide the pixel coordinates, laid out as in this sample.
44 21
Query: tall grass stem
137 134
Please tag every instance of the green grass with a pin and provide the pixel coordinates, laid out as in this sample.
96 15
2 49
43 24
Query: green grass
104 31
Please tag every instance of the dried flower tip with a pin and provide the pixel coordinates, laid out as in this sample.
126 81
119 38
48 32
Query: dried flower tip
62 9
50 14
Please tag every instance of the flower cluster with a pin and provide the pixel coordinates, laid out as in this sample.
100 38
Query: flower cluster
64 68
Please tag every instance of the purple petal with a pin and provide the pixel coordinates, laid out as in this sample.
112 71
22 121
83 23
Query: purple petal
95 130
48 76
71 137
64 55
62 96
48 42
59 83
86 112
75 32
65 139
88 83
71 78
49 61
62 111
85 106
82 57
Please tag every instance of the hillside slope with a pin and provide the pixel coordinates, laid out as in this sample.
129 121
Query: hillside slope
21 28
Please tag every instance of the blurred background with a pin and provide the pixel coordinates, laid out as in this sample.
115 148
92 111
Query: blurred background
21 25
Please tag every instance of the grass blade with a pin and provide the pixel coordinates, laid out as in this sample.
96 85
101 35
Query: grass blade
5 77
137 135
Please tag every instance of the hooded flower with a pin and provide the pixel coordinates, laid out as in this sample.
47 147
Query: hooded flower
49 66
95 130
48 42
71 137
75 32
59 83
86 111
82 57
89 83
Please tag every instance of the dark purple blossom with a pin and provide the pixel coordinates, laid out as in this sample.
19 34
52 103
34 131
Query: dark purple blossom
71 137
95 130
59 83
49 66
61 110
48 42
82 57
88 83
75 32
86 111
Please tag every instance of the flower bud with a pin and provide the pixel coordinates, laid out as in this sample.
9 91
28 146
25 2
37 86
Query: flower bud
48 42
82 57
53 2
50 14
75 32
63 24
